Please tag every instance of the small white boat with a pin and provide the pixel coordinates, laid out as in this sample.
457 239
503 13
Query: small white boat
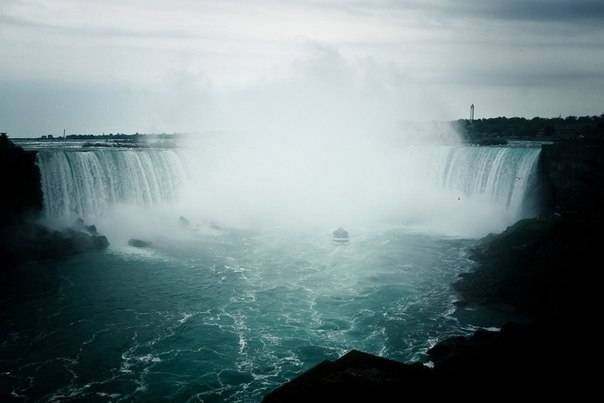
340 236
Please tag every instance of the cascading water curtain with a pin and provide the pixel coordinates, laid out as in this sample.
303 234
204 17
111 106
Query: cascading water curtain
501 174
86 183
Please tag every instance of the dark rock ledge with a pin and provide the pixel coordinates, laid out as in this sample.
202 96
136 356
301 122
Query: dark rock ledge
30 242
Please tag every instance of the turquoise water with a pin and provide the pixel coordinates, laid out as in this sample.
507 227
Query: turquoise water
252 292
225 315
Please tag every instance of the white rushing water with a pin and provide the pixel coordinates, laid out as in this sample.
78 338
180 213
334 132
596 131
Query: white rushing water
454 190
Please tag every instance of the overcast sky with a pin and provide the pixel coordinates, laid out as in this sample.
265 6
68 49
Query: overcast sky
152 66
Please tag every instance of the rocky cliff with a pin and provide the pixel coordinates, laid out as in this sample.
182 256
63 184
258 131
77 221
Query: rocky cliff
575 169
20 184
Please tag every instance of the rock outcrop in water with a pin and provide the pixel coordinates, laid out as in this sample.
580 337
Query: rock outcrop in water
139 243
33 242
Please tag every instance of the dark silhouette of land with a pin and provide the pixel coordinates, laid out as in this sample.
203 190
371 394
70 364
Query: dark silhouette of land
487 131
493 131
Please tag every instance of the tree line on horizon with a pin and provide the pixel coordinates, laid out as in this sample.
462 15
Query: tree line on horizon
483 131
501 129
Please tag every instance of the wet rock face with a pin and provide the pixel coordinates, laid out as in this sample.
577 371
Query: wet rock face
575 170
30 242
19 184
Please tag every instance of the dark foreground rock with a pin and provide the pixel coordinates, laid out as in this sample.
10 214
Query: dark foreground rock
537 360
361 377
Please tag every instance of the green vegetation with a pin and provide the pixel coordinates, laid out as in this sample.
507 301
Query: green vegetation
489 131
500 130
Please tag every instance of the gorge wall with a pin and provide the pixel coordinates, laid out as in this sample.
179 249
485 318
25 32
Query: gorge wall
20 183
574 170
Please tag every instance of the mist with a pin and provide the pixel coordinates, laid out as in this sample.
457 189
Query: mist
328 143
320 145
322 92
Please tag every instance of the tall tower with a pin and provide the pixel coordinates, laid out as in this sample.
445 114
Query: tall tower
472 112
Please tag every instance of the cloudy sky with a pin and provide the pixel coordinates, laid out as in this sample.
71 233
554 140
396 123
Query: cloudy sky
152 66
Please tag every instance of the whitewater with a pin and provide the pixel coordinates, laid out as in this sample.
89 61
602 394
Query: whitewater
242 288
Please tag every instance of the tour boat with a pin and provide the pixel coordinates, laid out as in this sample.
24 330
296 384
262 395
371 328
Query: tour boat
340 236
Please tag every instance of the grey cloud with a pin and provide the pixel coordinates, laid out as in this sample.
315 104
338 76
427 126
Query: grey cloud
522 10
535 10
529 77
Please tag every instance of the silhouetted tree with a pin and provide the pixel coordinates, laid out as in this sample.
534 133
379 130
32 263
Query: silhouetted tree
4 141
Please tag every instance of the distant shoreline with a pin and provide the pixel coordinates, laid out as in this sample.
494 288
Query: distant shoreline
476 131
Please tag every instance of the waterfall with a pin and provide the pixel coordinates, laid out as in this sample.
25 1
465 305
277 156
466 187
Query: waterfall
424 187
87 183
501 174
